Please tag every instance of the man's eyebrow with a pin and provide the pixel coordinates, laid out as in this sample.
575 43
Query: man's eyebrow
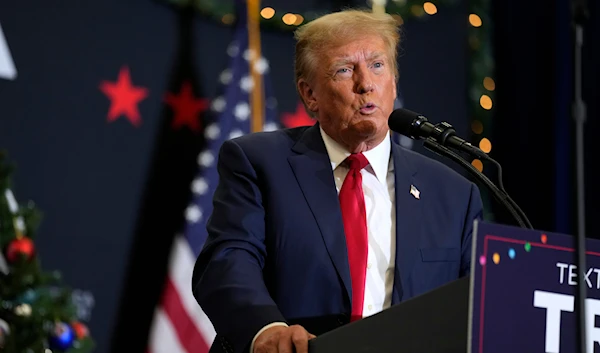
375 55
348 59
342 61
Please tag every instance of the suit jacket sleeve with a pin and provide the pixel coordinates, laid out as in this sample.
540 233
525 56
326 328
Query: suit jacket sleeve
474 211
228 279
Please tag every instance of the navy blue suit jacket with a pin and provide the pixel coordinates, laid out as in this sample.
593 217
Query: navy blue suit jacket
276 246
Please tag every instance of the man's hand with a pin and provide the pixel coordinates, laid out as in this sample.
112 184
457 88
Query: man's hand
281 339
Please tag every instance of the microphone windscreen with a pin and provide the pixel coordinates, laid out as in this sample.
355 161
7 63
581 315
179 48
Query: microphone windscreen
401 121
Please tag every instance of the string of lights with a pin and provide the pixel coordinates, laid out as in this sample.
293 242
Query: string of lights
223 12
481 96
481 87
484 85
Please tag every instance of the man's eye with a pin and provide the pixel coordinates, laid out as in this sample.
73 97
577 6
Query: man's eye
378 65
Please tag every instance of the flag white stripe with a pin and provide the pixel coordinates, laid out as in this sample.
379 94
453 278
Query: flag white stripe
7 65
163 338
180 272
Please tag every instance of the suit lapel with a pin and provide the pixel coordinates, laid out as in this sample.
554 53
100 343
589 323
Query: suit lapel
314 174
408 222
312 168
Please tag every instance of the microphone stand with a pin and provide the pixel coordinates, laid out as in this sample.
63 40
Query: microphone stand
508 198
579 13
502 197
439 140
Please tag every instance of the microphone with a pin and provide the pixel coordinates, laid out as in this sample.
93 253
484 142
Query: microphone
416 126
437 137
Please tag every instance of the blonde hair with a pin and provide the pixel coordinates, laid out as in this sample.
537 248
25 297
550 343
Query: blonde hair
337 28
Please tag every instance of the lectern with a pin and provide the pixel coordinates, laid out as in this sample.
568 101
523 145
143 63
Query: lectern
518 298
435 322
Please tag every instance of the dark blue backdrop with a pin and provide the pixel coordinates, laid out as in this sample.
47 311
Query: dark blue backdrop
533 127
113 194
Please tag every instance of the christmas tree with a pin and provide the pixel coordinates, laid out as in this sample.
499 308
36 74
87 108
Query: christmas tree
38 314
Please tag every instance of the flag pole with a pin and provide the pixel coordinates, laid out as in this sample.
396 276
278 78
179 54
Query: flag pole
379 6
256 94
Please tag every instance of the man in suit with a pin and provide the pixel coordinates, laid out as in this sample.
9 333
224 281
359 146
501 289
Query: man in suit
315 227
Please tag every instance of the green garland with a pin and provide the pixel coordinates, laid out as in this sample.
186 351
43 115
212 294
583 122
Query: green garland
482 81
223 11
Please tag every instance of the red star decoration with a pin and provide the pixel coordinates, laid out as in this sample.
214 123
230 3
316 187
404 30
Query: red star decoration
124 97
299 118
186 107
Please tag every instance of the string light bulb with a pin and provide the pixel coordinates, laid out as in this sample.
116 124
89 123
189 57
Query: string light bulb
267 12
477 164
417 10
475 20
477 127
486 102
485 145
430 8
299 20
489 83
289 19
228 19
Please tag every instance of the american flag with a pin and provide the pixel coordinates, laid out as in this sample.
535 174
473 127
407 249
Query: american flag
180 325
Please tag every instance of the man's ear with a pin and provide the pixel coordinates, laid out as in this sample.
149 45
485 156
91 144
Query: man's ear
307 94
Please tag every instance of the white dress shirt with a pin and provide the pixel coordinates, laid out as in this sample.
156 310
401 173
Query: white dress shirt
378 188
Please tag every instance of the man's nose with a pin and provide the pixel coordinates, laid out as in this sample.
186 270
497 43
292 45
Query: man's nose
364 83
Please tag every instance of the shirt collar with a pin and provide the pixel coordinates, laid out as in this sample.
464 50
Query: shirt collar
378 157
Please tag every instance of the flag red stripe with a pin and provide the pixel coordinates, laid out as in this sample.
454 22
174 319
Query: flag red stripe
189 336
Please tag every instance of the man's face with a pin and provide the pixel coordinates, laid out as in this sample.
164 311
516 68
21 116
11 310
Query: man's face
352 93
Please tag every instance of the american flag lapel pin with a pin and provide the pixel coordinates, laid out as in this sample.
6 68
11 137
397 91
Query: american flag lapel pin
415 192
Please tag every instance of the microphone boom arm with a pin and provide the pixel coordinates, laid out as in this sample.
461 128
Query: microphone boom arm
502 197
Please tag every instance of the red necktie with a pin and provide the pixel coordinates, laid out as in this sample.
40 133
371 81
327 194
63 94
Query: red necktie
352 202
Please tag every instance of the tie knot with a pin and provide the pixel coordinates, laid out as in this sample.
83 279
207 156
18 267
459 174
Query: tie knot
356 161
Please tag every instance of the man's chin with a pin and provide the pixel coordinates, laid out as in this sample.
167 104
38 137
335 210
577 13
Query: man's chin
364 127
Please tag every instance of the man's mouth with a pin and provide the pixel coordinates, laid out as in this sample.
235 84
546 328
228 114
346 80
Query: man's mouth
368 108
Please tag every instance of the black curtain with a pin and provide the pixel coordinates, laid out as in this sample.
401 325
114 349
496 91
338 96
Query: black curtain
591 95
533 128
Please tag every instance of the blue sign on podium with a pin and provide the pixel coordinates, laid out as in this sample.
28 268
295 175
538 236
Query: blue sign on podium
523 291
